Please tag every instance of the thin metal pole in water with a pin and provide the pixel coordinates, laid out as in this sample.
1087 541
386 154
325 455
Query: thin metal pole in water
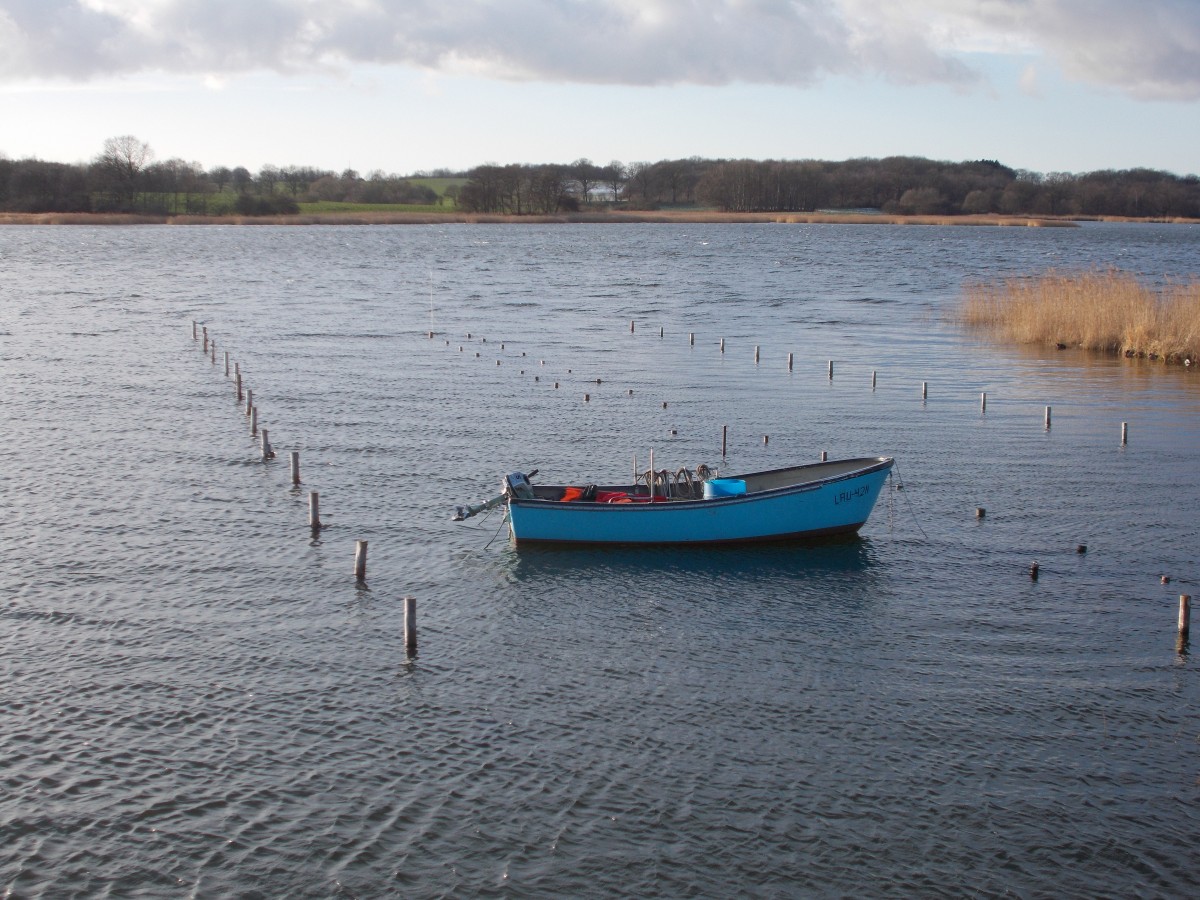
295 464
314 510
983 402
756 354
410 623
831 369
660 331
1047 417
872 379
360 560
789 362
1124 433
631 326
724 439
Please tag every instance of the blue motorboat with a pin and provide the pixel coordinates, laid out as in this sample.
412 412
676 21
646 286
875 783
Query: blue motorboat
686 507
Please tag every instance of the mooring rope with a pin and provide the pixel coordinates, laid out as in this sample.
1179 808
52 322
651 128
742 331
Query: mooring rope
911 510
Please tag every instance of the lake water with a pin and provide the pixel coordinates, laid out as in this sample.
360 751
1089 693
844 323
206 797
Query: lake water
198 700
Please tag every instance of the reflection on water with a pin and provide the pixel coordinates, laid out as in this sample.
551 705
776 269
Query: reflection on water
793 561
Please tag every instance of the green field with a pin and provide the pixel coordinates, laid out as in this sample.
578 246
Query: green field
335 206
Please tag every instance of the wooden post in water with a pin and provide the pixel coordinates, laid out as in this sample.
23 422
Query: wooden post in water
756 354
1185 614
631 326
924 390
983 402
831 370
691 339
360 560
872 379
789 362
194 335
724 439
1124 433
213 353
660 332
295 465
980 512
314 510
766 439
824 456
249 400
237 383
267 452
1047 417
722 345
254 420
204 346
226 363
1033 571
410 623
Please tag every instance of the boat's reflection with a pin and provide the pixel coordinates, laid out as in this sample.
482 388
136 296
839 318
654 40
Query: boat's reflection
810 559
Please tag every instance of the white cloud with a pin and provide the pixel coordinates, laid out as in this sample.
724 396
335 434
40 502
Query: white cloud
1148 49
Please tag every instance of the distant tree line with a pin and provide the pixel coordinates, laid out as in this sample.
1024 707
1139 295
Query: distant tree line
900 184
124 177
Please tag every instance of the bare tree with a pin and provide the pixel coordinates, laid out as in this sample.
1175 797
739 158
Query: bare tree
587 175
614 176
122 160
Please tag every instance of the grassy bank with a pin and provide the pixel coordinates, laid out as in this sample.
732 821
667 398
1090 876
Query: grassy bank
1109 311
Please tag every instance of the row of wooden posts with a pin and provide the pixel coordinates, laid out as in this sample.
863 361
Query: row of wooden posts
983 397
208 346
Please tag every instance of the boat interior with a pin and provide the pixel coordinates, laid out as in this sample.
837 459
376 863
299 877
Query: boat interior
686 484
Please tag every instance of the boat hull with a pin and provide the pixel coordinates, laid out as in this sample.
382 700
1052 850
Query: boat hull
823 499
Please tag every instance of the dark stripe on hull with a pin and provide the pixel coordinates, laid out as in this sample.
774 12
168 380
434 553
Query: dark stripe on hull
796 536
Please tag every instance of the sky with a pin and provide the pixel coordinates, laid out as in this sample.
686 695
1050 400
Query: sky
403 86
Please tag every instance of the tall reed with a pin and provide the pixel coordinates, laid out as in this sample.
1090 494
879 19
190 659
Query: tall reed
1100 310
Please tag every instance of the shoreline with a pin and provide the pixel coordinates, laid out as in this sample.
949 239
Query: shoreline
586 218
605 217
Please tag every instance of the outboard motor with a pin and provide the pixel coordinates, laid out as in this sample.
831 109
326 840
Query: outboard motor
517 485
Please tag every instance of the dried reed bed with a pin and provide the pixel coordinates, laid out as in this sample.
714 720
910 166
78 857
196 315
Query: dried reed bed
1109 311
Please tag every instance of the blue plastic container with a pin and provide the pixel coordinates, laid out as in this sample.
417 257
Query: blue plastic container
723 487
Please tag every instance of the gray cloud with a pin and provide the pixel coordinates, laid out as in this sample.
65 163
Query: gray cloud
1149 49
